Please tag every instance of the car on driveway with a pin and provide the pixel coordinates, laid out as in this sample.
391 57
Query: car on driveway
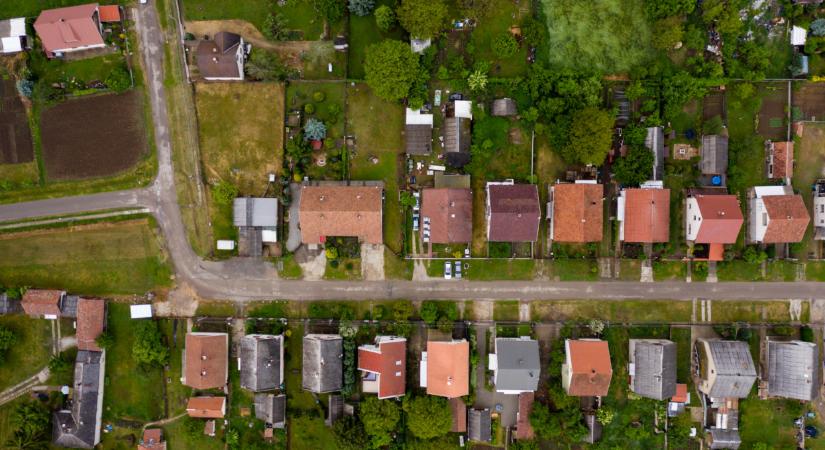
458 269
415 221
448 270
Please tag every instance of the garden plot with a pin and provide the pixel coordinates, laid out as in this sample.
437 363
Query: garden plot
772 114
93 136
713 105
809 102
15 136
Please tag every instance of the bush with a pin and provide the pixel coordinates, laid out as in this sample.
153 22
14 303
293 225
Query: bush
319 96
505 45
806 334
384 18
818 27
315 130
119 80
275 27
361 7
224 193
309 108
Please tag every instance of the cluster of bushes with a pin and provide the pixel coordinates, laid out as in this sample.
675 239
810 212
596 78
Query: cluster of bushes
443 314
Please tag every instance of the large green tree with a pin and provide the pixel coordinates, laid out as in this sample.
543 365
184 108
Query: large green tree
7 340
392 69
380 418
148 346
590 136
350 434
331 10
635 168
424 19
30 422
428 416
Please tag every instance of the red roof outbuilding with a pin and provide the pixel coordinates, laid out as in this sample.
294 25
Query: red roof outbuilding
91 319
42 302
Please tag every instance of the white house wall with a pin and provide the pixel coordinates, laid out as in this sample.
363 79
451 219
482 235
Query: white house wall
759 220
693 219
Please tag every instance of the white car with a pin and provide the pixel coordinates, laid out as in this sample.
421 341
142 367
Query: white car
448 270
467 252
458 269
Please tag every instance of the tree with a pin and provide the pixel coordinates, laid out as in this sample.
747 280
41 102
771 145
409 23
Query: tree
361 7
667 33
407 199
590 136
505 45
391 69
428 416
384 18
424 19
59 364
265 65
678 90
232 438
105 340
31 423
7 340
119 80
817 27
634 168
664 8
477 81
315 130
350 434
429 312
275 27
148 346
380 417
331 10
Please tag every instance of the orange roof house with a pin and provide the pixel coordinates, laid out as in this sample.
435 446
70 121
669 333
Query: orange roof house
152 440
70 29
777 215
447 368
384 366
524 430
109 13
681 395
644 215
205 359
575 212
713 219
587 370
450 215
206 407
42 302
338 210
91 319
459 410
779 160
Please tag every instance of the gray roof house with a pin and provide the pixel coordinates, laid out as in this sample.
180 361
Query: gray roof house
8 305
457 141
793 370
726 368
720 438
262 362
479 425
504 107
322 366
79 426
653 368
418 132
714 155
515 365
655 142
271 409
257 222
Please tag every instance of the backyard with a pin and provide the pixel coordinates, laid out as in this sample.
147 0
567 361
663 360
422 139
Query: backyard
31 352
299 15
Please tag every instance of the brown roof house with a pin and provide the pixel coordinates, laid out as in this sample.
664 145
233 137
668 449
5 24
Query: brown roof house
587 370
447 215
712 219
524 430
777 215
575 212
339 210
644 215
205 360
46 303
445 368
384 366
779 160
418 132
206 407
91 320
70 29
152 440
513 212
222 58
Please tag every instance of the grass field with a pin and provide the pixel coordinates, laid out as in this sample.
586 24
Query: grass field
763 311
377 126
770 422
362 33
506 311
31 351
810 158
503 14
29 8
299 14
636 311
746 167
98 259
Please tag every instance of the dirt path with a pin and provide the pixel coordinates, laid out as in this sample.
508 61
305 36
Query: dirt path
24 386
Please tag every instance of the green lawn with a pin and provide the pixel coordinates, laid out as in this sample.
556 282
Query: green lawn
761 311
299 14
289 268
377 126
215 309
397 268
347 269
770 422
30 8
310 433
746 150
502 15
177 438
634 311
506 311
362 33
31 351
574 269
104 258
499 269
668 270
330 110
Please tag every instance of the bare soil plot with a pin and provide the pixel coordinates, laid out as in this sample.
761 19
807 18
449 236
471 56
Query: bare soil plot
809 102
772 114
713 105
93 136
15 136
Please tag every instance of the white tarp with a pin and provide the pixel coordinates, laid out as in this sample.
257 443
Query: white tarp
10 45
140 311
226 245
415 117
464 109
269 236
798 35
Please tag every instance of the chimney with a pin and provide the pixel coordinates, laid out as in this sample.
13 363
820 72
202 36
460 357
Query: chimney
215 60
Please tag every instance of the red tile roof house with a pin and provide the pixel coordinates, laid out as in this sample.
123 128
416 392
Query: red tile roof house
43 303
205 364
644 215
513 212
71 29
206 407
575 211
91 320
450 215
776 215
713 220
779 160
338 210
445 368
524 430
587 370
152 440
384 366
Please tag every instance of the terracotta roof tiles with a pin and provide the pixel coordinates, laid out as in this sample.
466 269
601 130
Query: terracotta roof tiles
577 212
590 368
91 319
206 407
788 218
39 302
448 368
389 361
68 28
206 360
341 211
647 215
721 219
451 214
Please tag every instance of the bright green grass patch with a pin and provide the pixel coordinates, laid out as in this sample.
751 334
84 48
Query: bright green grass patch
499 269
574 269
25 174
31 351
310 433
668 270
31 8
756 311
769 422
215 309
297 398
56 70
299 14
506 311
397 268
119 258
346 269
289 268
630 269
177 438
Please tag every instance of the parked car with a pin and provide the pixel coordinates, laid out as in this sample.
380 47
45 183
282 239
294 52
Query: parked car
458 269
415 221
417 196
448 270
811 431
426 236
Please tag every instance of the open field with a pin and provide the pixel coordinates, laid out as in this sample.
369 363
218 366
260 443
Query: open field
29 8
31 352
300 15
809 153
15 136
104 258
808 102
93 136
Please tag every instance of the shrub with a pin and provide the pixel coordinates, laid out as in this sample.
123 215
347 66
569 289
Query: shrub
25 87
119 80
477 81
505 45
384 18
806 334
315 130
361 7
319 96
275 27
224 192
309 108
818 27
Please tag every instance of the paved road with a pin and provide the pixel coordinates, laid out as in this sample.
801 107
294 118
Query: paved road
245 279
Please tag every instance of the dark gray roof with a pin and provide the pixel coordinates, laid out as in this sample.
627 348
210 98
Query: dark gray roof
594 429
457 141
714 155
655 141
793 370
261 362
479 425
504 107
418 138
335 409
518 364
79 426
724 438
654 362
271 409
735 371
255 212
69 306
322 366
8 305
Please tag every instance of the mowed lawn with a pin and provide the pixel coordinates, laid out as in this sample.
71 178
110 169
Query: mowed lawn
503 15
31 8
377 126
299 15
810 158
31 351
98 259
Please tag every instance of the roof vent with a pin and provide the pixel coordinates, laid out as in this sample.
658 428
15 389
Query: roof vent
203 357
358 196
449 381
321 198
203 373
518 215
